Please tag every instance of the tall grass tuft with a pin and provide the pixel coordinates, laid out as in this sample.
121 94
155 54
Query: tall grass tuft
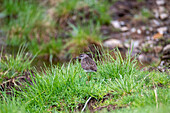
11 65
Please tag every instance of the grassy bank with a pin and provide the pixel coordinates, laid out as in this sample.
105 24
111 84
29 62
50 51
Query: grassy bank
47 26
118 83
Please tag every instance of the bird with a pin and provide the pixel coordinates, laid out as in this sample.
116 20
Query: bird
87 64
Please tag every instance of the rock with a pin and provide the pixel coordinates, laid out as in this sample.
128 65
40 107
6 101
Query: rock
135 43
139 31
116 24
161 9
112 43
124 28
155 23
122 23
162 30
133 30
160 2
147 32
150 28
149 59
166 50
156 13
163 16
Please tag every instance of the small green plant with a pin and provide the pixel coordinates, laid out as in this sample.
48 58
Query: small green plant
81 37
144 15
65 7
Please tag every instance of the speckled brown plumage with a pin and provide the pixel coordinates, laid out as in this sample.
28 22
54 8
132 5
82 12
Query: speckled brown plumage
87 63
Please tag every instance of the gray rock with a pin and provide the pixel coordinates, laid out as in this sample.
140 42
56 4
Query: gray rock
133 30
155 22
160 2
124 28
112 43
162 30
166 50
149 59
161 9
163 16
116 24
139 31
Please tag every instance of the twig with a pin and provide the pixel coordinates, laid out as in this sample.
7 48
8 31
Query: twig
156 96
85 104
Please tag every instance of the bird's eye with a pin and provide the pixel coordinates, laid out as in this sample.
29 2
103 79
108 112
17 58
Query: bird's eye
81 55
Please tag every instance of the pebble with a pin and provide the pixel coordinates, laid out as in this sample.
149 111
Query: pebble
122 23
139 31
124 28
149 59
161 9
147 32
133 30
155 22
166 49
112 43
150 28
162 30
163 16
156 13
160 2
116 24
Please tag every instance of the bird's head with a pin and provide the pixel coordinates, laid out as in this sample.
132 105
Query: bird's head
81 56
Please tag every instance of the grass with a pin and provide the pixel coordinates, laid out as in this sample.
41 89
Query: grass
28 22
144 15
62 89
14 65
81 37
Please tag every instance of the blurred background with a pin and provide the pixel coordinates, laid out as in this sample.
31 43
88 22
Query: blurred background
58 30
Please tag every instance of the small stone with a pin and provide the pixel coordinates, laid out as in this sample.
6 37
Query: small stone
166 49
160 2
133 30
161 9
112 43
143 28
124 28
74 17
150 28
148 38
155 23
162 30
147 32
122 23
135 43
163 16
116 24
139 31
149 59
127 45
